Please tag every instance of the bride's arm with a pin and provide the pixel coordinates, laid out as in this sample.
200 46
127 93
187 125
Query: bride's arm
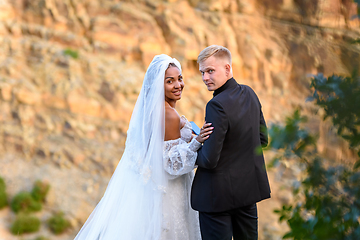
179 157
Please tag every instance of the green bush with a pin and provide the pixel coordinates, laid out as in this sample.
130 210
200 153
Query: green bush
72 53
25 224
24 202
3 199
2 185
58 224
327 197
42 238
40 191
3 196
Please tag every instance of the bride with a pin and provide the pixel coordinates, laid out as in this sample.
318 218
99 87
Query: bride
147 197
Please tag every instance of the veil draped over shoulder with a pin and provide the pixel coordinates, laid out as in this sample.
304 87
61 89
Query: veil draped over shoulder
131 207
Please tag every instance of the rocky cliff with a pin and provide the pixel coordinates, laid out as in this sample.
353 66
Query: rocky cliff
71 70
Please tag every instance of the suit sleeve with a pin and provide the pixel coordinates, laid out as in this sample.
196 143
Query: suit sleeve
209 154
263 130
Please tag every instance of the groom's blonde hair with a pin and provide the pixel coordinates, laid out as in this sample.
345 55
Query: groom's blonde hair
216 51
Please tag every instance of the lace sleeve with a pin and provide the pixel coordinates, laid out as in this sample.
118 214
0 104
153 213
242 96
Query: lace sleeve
179 156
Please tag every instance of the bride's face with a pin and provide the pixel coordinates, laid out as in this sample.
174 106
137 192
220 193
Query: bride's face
173 84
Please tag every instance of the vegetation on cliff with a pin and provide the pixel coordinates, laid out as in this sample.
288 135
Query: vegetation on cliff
3 195
25 203
327 197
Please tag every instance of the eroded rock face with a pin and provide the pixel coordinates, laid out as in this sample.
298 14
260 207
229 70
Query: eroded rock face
70 72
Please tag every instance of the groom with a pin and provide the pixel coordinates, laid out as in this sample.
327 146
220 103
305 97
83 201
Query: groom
231 176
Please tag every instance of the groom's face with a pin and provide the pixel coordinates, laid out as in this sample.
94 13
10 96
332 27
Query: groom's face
214 72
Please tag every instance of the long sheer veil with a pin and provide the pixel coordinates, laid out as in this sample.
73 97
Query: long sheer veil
131 208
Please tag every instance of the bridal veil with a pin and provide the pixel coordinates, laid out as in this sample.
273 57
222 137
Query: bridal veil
131 208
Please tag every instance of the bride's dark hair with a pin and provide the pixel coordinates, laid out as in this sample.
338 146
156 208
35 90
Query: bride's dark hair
172 65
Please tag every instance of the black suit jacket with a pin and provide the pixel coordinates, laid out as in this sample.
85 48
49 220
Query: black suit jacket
231 171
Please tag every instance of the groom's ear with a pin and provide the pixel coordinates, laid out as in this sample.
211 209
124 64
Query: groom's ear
227 69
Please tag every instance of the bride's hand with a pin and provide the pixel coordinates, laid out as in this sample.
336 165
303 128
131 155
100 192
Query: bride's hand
205 132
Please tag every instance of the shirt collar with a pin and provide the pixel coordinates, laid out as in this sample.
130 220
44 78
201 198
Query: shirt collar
228 84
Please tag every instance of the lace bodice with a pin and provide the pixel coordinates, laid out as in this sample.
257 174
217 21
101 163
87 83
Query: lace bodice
179 155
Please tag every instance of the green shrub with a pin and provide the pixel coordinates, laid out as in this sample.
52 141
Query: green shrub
58 224
2 185
3 199
25 224
72 53
326 198
3 196
24 202
40 191
42 238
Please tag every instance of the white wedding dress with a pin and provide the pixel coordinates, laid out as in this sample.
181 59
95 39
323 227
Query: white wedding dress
180 221
147 197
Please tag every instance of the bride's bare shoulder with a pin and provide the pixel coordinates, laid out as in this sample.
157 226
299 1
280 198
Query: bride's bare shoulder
172 124
171 114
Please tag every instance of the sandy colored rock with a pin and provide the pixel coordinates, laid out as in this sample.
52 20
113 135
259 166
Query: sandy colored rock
71 71
27 96
54 101
83 105
6 11
6 91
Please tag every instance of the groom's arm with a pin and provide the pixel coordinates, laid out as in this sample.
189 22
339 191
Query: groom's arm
263 130
209 154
